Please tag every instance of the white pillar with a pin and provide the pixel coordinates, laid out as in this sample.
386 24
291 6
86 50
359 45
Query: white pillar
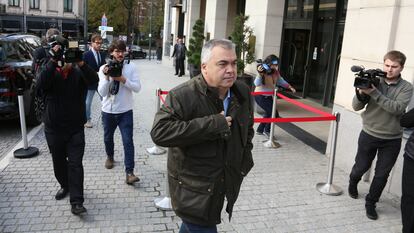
191 15
216 18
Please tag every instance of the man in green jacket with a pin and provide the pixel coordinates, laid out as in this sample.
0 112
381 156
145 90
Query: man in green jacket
381 132
207 123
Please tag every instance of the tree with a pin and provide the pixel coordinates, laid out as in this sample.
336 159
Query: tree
194 48
240 36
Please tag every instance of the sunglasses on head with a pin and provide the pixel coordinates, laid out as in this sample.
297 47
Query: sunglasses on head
274 62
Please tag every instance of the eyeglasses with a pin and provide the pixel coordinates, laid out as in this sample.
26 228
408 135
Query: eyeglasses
98 42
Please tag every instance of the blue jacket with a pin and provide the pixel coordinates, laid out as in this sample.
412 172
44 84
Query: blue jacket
89 58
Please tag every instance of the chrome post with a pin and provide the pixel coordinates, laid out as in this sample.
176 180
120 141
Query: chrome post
272 143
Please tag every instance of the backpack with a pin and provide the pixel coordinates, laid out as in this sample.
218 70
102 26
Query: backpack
41 59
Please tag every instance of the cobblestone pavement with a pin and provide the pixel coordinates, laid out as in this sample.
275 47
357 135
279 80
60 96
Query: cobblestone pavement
278 195
10 134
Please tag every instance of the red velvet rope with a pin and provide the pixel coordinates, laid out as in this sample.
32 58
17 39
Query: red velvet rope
323 115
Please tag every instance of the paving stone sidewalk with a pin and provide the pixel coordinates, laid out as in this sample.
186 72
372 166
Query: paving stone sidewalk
278 195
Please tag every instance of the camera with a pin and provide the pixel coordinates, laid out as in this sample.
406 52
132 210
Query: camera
114 68
69 51
366 78
264 67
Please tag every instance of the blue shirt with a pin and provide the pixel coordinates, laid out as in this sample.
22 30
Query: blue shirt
226 102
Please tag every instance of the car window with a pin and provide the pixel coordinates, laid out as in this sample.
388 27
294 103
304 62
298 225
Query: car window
15 51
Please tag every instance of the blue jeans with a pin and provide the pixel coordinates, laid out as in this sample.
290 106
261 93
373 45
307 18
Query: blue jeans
266 103
125 124
187 227
88 103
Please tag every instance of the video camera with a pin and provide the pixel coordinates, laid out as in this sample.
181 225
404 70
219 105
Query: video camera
264 67
69 51
366 78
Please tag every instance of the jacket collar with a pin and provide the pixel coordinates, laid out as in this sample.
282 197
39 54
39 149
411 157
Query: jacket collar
203 87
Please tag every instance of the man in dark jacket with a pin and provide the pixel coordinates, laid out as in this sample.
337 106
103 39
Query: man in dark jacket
64 86
179 54
95 59
407 197
207 123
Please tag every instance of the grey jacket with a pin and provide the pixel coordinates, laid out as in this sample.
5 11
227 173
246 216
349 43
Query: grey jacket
386 104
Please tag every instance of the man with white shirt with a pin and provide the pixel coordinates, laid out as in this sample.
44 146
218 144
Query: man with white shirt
117 82
95 59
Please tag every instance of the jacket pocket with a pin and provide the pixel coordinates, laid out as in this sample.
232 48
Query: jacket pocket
192 196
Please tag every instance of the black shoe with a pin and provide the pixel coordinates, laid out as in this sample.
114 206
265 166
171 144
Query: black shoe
353 190
175 74
179 75
61 193
78 209
371 212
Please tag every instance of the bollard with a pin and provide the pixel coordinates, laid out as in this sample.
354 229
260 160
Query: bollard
328 188
26 151
156 150
271 143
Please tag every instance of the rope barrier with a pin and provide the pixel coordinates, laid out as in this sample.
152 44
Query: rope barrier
324 116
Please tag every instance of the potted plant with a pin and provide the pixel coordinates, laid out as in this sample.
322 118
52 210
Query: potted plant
241 37
194 48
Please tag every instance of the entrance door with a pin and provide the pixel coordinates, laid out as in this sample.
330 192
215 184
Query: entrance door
293 62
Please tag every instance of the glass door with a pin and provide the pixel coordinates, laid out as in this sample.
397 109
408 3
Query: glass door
293 61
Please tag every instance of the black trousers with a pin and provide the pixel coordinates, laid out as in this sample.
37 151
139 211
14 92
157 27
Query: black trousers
179 66
386 150
407 198
67 153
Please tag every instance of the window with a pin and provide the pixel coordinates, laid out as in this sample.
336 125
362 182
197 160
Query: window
14 2
34 4
67 5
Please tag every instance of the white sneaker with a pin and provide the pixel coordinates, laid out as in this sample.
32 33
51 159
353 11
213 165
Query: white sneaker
88 124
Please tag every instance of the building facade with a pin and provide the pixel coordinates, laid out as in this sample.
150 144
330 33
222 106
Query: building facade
318 41
36 16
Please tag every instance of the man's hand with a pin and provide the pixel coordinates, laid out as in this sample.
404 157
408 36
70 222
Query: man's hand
81 63
367 91
228 118
121 79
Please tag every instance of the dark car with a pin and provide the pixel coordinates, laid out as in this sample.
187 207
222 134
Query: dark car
136 52
16 73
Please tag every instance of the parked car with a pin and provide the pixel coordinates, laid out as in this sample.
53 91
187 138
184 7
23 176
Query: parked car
16 72
136 52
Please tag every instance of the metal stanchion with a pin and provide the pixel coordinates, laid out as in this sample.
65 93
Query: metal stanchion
164 203
156 150
329 188
271 143
26 151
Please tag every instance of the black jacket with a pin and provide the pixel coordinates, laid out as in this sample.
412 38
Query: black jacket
407 120
65 97
207 160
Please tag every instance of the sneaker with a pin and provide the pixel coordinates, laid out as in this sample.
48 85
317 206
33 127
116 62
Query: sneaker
259 133
353 190
78 209
131 178
267 134
88 124
109 163
371 212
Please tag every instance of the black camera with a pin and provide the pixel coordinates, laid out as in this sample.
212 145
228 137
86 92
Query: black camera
69 51
115 68
366 78
264 68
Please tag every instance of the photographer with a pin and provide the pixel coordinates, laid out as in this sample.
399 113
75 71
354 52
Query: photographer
117 81
269 77
64 85
381 132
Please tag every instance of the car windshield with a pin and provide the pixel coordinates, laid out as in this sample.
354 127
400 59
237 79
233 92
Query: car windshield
135 47
14 51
